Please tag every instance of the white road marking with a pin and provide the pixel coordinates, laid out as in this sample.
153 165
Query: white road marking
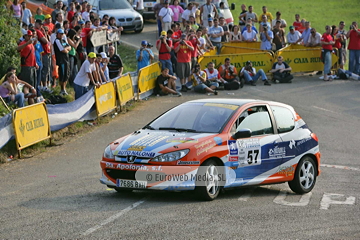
326 110
340 167
304 200
334 198
113 217
246 195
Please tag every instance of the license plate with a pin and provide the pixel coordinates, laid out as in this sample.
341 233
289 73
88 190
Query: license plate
130 183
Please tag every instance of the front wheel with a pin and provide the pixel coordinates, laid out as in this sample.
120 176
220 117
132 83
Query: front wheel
207 181
140 30
305 176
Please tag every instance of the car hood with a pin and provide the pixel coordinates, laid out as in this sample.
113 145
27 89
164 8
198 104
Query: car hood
151 143
120 13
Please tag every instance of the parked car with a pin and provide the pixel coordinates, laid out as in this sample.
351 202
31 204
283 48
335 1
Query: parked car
123 12
209 144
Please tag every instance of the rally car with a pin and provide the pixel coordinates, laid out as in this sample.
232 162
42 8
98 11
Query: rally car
209 144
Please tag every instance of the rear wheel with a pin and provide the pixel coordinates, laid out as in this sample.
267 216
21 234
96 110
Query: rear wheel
208 182
305 176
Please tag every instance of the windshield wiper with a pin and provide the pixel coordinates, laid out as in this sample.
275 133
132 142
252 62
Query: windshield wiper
148 127
178 129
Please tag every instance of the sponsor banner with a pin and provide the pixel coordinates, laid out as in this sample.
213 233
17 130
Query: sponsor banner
105 98
6 129
31 125
98 38
259 60
147 77
124 88
303 59
232 50
254 45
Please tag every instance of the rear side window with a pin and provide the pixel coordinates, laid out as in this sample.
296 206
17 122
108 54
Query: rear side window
284 119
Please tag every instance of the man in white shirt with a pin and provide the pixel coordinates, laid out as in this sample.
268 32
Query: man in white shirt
85 75
215 33
314 39
293 36
139 6
26 14
190 11
86 14
166 15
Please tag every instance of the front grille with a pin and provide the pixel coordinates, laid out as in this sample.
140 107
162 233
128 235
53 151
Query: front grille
128 27
121 19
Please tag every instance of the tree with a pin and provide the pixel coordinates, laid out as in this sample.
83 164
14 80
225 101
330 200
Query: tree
10 32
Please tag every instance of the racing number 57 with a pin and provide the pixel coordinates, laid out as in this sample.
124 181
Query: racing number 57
252 156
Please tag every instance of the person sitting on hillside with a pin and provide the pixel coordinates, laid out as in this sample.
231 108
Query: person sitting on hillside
251 76
281 71
165 84
201 85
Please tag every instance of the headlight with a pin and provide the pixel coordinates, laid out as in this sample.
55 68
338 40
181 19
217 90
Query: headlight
169 157
137 18
108 153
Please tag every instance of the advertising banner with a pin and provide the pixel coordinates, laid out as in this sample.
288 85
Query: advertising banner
147 77
124 88
105 98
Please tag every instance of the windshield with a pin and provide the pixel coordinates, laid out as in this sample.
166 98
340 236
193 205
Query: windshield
195 117
114 4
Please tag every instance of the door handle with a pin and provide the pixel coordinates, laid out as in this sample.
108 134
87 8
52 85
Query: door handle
276 143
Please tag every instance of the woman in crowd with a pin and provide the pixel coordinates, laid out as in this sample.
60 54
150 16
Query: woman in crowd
39 14
74 41
16 9
177 10
235 34
249 35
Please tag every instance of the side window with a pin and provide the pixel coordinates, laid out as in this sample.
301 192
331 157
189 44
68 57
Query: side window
284 119
256 119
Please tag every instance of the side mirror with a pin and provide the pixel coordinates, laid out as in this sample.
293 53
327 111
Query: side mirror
232 7
242 133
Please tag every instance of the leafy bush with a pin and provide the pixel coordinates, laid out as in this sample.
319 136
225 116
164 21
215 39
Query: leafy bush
9 34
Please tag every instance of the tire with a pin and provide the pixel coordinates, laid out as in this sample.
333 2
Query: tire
212 188
122 190
305 176
140 30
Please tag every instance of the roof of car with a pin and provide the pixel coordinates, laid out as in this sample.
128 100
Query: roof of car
233 101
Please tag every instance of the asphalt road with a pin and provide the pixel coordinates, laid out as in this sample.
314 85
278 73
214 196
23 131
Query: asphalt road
57 194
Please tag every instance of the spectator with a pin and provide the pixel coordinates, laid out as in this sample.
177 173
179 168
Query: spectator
164 45
144 55
278 18
38 51
49 24
334 35
305 36
183 50
71 12
177 10
221 10
9 69
192 23
190 11
208 10
354 48
115 64
327 42
166 84
269 16
242 19
202 41
139 6
58 9
39 14
293 36
281 71
266 37
250 14
24 28
99 73
249 35
279 33
9 91
175 37
26 14
166 15
104 61
28 61
225 27
201 85
235 34
208 44
215 33
251 76
193 39
297 24
230 74
74 41
314 39
264 21
15 7
81 52
85 76
60 19
342 50
157 7
86 14
213 76
249 20
302 28
62 49
86 34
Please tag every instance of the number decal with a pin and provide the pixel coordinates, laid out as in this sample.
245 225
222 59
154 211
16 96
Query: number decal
253 156
249 152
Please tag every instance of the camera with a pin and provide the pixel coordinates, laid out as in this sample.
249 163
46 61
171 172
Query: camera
162 37
231 70
182 42
351 27
149 45
76 38
265 28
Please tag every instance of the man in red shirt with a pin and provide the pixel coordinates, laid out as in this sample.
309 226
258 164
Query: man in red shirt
297 24
28 60
183 50
48 23
71 12
327 42
164 45
354 48
194 42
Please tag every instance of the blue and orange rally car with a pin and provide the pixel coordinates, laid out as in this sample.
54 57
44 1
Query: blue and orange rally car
209 144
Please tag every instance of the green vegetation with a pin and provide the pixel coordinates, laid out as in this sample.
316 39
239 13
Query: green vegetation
127 54
320 13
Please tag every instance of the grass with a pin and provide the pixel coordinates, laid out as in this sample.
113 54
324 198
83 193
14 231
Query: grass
320 12
128 56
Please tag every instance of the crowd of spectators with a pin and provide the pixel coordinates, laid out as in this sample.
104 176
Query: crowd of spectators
55 49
